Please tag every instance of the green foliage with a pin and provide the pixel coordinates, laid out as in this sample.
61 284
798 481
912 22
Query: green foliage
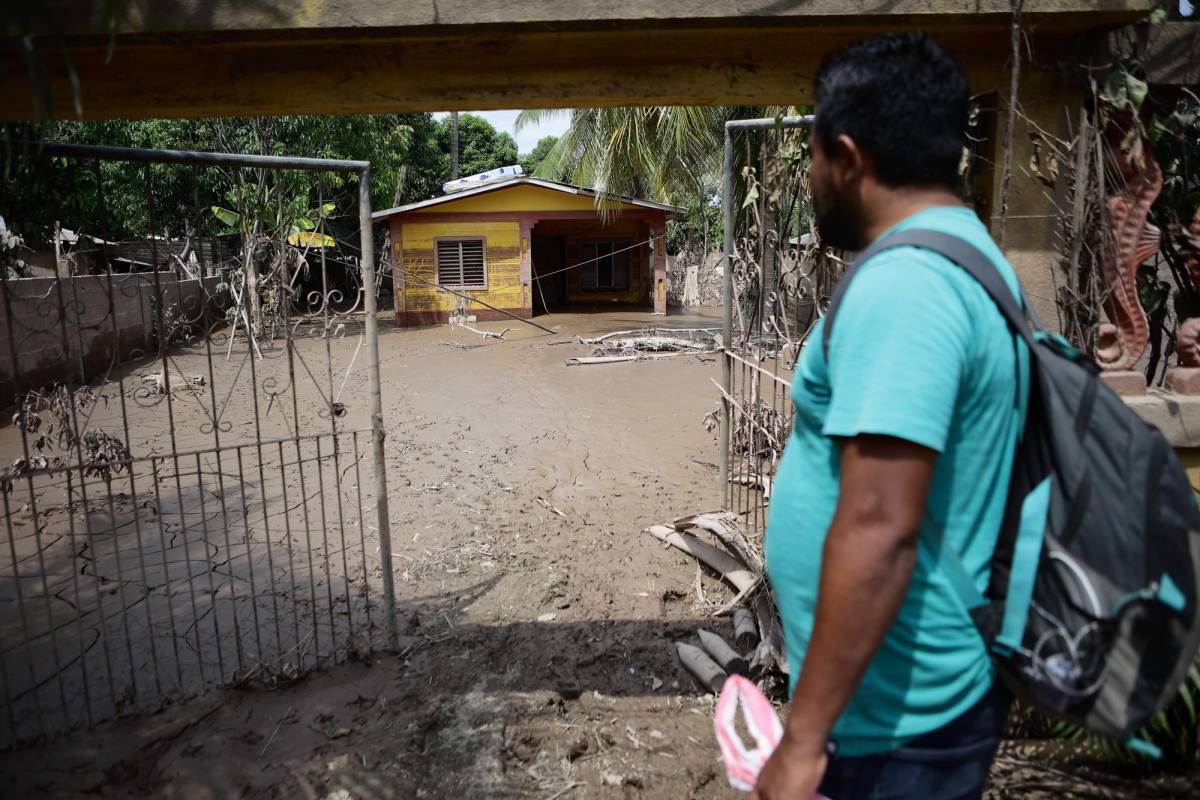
1173 130
670 154
481 146
1125 91
12 265
230 219
139 200
701 224
1152 292
663 153
531 161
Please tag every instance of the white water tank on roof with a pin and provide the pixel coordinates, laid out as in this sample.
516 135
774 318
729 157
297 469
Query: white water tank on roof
491 176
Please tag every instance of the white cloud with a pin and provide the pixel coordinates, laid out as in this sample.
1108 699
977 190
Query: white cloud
506 121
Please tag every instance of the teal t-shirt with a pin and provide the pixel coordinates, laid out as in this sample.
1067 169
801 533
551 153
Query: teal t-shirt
920 353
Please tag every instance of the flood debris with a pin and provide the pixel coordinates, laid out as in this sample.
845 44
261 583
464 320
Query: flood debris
717 541
460 345
544 503
647 344
732 662
484 334
701 666
158 381
745 632
757 434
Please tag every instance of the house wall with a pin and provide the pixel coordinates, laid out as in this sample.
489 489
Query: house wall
419 302
508 219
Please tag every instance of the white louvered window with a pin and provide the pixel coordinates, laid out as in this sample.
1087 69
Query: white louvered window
461 263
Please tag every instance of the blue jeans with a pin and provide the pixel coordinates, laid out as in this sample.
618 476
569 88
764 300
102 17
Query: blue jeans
951 763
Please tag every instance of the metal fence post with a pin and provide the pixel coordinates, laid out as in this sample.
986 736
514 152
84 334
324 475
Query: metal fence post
375 393
726 322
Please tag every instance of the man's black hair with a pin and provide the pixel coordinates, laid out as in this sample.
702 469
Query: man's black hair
904 100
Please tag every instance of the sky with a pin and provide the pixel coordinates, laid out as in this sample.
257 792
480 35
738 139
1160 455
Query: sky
526 139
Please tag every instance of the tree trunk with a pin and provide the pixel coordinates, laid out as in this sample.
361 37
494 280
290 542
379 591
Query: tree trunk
60 264
454 167
251 300
385 256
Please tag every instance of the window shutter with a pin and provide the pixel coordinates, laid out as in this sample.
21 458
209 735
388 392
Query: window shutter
473 270
461 263
449 267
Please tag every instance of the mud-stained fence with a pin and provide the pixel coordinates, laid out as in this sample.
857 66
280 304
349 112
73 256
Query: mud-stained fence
777 279
191 501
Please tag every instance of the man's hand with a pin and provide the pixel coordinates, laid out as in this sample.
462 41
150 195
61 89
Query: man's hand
793 772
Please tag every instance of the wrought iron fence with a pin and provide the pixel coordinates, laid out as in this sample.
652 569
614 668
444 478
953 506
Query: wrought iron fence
777 280
191 497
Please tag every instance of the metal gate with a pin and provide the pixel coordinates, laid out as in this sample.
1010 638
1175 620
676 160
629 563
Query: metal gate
777 281
192 497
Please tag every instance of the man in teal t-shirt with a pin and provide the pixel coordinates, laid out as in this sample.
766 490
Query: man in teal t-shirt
901 450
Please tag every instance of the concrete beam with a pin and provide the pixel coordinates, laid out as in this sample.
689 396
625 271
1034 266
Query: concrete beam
290 18
199 59
1168 52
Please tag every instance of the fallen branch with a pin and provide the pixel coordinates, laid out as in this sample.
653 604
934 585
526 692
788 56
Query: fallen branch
737 601
546 505
745 575
755 481
582 360
485 334
569 787
720 562
642 332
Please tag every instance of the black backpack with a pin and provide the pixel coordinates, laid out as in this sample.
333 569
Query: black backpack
1091 612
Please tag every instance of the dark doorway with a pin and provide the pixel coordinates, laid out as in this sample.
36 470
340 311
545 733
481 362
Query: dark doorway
549 260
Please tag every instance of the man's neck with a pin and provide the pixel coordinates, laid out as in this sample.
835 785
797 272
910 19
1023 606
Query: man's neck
892 206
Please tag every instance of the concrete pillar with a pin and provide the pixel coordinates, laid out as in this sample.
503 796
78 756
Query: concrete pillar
526 244
658 270
1053 105
399 285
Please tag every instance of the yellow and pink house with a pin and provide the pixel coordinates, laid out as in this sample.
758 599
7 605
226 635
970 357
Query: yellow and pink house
526 245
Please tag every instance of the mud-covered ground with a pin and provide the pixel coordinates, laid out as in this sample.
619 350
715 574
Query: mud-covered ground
536 618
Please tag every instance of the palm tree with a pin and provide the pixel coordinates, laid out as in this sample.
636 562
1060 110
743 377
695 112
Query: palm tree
674 154
663 153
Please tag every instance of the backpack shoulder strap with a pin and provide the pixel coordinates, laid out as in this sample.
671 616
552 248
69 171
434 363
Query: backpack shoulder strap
962 253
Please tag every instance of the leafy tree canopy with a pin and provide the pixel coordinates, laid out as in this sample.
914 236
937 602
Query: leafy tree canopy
138 200
481 146
534 158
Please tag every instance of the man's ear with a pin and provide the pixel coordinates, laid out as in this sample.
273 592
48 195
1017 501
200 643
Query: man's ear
849 158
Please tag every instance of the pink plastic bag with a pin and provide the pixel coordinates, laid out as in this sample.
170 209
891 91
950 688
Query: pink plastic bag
742 765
